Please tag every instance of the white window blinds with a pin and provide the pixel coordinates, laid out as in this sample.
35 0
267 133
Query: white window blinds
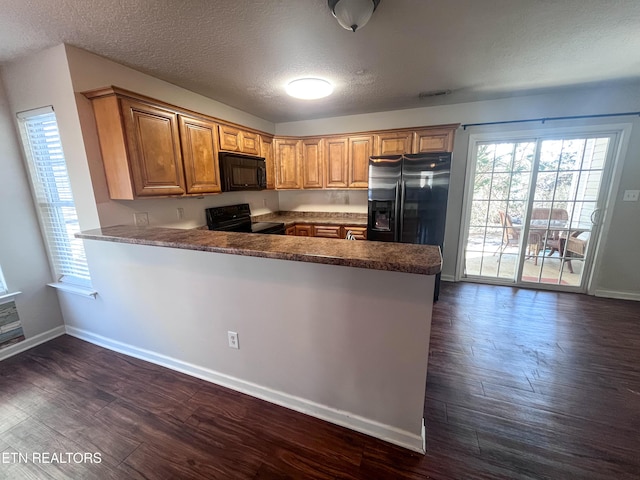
52 192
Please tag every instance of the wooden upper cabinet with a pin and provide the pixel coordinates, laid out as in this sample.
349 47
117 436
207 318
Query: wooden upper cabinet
235 140
151 148
394 143
287 155
336 163
154 149
199 141
266 151
433 140
360 149
250 143
229 138
312 157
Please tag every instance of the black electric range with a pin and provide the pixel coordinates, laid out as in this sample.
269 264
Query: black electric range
237 218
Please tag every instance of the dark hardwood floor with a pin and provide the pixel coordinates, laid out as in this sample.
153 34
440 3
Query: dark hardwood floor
522 384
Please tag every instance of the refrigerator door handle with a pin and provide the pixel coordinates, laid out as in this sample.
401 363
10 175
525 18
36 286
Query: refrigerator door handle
396 214
401 211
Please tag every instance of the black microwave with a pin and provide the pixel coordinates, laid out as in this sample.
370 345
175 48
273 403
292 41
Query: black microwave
242 172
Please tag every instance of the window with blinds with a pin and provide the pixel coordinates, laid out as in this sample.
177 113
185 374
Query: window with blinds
52 193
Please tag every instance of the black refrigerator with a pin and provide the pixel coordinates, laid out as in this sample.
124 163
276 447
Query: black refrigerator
408 199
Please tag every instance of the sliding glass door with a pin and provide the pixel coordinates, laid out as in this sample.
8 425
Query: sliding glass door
533 209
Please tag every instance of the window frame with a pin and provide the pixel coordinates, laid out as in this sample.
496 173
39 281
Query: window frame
55 206
4 288
620 133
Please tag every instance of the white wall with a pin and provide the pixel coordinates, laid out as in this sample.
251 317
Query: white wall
90 71
619 270
349 340
323 201
43 79
22 252
620 263
590 101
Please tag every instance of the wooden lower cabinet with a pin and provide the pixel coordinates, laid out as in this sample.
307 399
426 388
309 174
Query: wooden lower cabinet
328 231
360 233
304 230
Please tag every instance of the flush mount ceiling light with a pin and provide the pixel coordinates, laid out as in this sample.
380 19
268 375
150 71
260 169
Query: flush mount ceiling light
309 88
353 14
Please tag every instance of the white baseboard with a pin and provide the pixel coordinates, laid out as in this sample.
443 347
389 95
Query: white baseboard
339 417
447 278
618 295
31 342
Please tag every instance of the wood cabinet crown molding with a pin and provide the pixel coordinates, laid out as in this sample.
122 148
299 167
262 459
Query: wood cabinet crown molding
149 150
121 92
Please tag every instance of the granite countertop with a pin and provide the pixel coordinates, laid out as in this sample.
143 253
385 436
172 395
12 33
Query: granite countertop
398 257
317 218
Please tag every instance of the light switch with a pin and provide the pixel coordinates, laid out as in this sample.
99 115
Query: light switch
631 195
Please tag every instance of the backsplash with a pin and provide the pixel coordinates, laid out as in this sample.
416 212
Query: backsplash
350 201
163 212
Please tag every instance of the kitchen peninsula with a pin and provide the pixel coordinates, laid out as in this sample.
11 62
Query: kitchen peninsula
333 328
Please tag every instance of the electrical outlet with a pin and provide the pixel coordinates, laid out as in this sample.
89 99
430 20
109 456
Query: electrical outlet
631 195
264 202
180 213
234 340
141 219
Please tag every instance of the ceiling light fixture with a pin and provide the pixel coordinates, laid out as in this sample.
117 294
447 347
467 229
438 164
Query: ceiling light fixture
353 14
309 88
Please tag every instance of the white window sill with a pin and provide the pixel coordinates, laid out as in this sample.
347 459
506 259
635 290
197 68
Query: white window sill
7 297
75 289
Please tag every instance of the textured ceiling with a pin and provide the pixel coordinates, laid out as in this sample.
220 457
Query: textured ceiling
242 52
